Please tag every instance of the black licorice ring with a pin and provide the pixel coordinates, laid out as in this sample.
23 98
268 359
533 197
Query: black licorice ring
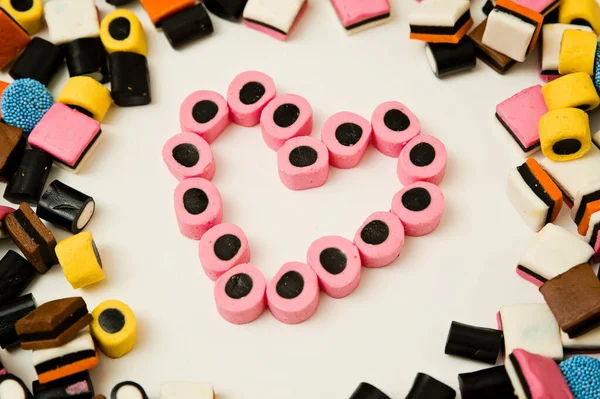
427 387
40 61
87 57
132 385
66 207
447 59
490 383
12 387
189 24
477 343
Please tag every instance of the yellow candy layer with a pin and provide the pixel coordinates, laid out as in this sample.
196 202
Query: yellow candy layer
80 260
577 52
578 11
565 134
121 30
114 328
87 93
575 90
31 19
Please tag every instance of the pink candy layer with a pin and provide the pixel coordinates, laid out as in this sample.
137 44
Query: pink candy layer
342 156
64 133
409 173
205 168
387 141
212 265
276 136
78 388
303 178
336 285
273 33
420 223
3 371
535 5
248 114
5 210
243 310
194 226
529 277
301 308
388 251
543 376
210 130
352 12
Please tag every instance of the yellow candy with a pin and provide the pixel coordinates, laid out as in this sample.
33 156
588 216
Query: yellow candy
121 30
86 93
80 260
114 328
575 90
565 134
31 19
577 52
580 12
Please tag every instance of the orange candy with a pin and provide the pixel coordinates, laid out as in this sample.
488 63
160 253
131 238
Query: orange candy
70 369
3 85
549 186
157 10
13 39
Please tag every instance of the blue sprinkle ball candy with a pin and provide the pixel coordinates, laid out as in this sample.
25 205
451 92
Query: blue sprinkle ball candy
582 374
24 103
597 70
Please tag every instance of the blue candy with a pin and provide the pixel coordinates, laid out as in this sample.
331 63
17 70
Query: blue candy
582 374
24 103
597 69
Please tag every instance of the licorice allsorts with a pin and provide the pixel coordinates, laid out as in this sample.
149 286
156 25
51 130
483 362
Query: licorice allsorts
10 313
285 117
130 79
87 57
221 248
40 61
114 328
198 207
380 239
12 144
447 59
293 294
303 163
240 294
128 390
231 10
16 273
12 387
394 125
248 94
427 387
66 207
76 386
347 137
490 383
368 391
186 25
205 113
28 181
477 343
188 155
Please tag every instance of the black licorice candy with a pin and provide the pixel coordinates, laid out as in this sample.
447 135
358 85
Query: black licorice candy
76 386
87 57
490 383
427 387
476 343
118 2
488 7
40 61
189 24
129 387
16 273
12 387
230 10
130 79
447 59
10 313
66 207
27 183
368 391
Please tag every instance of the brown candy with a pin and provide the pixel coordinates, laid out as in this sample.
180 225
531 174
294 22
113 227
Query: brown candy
53 324
574 299
11 148
497 61
99 397
32 237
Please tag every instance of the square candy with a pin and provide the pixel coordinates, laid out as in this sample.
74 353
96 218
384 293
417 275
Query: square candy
551 40
70 20
536 377
274 17
544 7
13 39
587 343
358 15
440 21
496 60
66 134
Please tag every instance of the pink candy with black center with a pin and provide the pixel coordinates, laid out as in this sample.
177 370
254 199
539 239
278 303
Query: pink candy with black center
247 96
205 113
422 159
285 117
240 294
394 125
420 207
347 137
336 261
221 248
198 207
188 155
380 239
293 294
303 163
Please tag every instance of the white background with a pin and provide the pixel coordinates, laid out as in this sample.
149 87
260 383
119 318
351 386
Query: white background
395 324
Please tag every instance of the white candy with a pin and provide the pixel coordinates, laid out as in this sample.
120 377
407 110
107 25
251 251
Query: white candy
438 12
586 190
83 342
70 20
589 340
186 390
551 39
508 35
529 206
11 389
514 379
278 14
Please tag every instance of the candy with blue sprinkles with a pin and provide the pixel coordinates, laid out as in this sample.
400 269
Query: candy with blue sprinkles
24 103
583 376
597 70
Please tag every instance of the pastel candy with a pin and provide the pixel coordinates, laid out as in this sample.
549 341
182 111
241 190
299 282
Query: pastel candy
357 15
87 96
293 294
551 40
347 137
440 21
198 207
285 117
539 374
575 90
544 7
158 10
420 207
80 260
70 20
577 52
303 163
394 125
204 113
188 155
274 17
336 261
114 328
379 239
422 159
240 294
582 12
247 96
221 248
28 14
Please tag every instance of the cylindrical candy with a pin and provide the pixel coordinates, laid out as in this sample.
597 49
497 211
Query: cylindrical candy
76 386
303 163
129 79
240 294
80 260
477 343
121 30
426 387
40 61
29 179
205 113
221 248
394 125
490 383
575 90
28 13
189 24
293 294
347 137
285 117
379 239
336 261
422 159
577 52
114 328
565 134
368 391
230 10
198 207
189 155
66 207
580 12
247 96
10 313
16 273
447 59
87 57
128 390
11 387
420 207
87 95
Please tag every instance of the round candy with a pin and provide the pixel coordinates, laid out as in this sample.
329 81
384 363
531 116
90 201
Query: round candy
394 125
24 103
240 294
87 95
12 387
293 294
575 90
198 207
247 96
582 374
347 137
577 52
221 248
28 13
379 239
565 134
80 260
121 30
205 113
303 163
420 207
189 155
114 328
128 390
285 117
423 159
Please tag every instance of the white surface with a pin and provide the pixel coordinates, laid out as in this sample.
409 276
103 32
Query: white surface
186 390
508 35
551 40
395 324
